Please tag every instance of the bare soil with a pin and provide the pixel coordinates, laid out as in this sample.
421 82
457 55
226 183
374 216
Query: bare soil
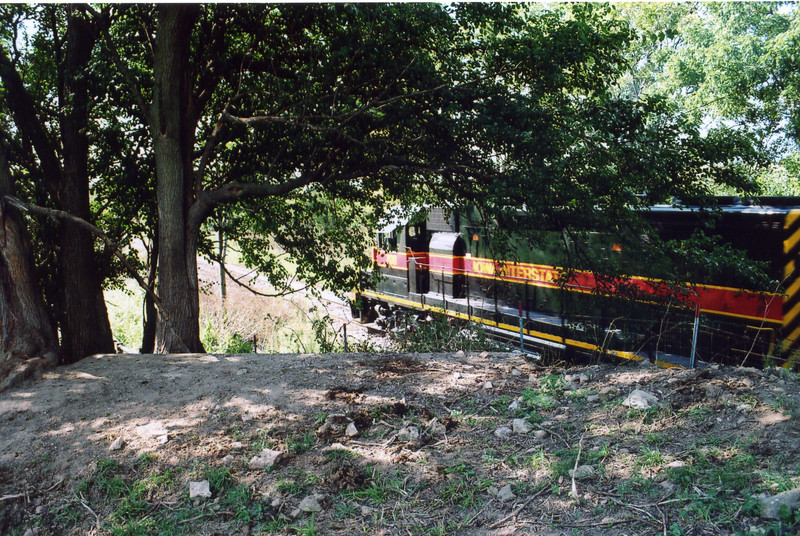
689 465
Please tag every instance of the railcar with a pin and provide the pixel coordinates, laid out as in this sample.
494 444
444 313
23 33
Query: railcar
445 264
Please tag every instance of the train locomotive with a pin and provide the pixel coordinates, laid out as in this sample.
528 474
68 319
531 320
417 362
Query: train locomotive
445 264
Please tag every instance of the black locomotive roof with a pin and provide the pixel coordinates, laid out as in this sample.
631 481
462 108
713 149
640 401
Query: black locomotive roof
761 206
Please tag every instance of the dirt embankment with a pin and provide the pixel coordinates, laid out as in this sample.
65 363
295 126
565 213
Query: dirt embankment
439 444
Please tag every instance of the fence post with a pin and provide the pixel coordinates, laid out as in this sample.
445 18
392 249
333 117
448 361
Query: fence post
694 335
344 327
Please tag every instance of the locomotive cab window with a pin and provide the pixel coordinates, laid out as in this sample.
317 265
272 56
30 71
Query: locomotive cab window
387 241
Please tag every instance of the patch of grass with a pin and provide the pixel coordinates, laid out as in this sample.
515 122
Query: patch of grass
302 443
650 415
261 440
650 458
464 492
334 455
786 405
306 529
380 488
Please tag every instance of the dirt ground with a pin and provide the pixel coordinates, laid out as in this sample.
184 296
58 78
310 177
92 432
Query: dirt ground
433 447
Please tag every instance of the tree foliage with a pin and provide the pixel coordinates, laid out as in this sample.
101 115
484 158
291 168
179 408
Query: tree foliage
299 125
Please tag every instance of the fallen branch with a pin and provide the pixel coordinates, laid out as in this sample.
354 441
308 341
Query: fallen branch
574 488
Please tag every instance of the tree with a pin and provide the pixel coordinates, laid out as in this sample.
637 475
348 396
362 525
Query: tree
726 63
56 148
322 116
300 125
25 327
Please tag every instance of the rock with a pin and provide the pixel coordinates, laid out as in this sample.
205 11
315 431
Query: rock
277 503
408 433
437 429
541 434
460 353
677 464
593 399
229 459
514 406
582 472
334 446
366 510
335 423
266 460
771 507
520 426
237 445
118 444
516 372
162 439
639 399
352 430
310 505
199 490
504 432
241 372
583 378
609 392
488 385
505 494
484 354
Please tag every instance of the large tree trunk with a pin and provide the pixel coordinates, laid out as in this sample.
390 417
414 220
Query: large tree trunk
173 135
26 329
85 329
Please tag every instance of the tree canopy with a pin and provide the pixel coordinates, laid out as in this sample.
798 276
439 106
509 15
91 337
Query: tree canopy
298 126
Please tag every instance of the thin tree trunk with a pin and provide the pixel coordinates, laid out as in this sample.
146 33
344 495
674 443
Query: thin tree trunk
150 317
223 289
173 135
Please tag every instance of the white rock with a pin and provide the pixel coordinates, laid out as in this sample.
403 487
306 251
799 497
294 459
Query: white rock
677 464
583 471
118 444
488 385
505 494
504 432
237 445
541 434
771 506
514 406
162 439
460 353
351 430
267 459
593 398
520 426
484 354
408 433
583 378
310 504
516 372
639 399
229 459
608 392
199 490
